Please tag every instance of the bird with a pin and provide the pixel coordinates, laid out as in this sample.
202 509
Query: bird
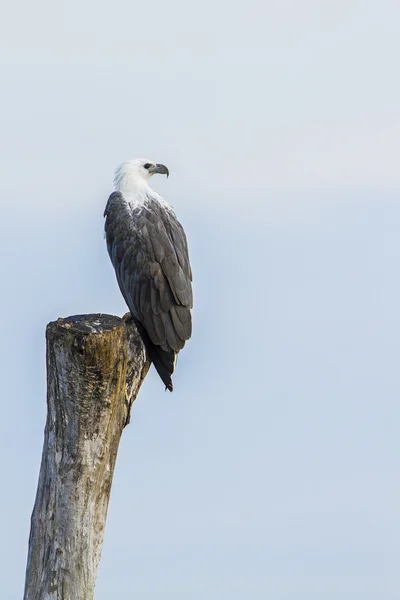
149 251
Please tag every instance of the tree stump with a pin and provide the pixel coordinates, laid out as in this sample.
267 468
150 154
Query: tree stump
95 367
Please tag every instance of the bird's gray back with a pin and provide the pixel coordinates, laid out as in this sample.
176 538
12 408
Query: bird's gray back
149 251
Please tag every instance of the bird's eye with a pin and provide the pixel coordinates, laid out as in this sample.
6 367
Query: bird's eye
147 166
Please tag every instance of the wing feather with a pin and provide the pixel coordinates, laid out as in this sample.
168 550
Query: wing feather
183 329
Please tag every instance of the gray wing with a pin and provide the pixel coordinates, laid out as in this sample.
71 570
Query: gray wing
148 248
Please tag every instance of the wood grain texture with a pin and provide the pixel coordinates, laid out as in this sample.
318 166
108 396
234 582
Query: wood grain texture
95 367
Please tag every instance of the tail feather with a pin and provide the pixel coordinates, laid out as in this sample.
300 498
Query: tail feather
163 361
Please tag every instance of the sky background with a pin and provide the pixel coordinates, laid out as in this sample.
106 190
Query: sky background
272 471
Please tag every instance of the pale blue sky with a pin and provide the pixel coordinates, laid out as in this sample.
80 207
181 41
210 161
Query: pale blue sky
272 470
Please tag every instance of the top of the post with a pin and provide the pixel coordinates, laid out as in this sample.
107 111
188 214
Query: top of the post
88 324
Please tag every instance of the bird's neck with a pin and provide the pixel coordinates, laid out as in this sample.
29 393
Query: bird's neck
137 192
134 190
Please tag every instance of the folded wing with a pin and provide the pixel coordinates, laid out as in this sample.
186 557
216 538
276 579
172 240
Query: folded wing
149 251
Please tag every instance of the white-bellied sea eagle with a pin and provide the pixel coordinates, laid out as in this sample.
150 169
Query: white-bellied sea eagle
148 248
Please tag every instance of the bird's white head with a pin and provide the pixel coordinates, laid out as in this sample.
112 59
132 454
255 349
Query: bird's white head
135 174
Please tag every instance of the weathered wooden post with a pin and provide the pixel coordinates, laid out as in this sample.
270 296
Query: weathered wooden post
95 367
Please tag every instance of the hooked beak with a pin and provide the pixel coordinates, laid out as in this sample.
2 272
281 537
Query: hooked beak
160 169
